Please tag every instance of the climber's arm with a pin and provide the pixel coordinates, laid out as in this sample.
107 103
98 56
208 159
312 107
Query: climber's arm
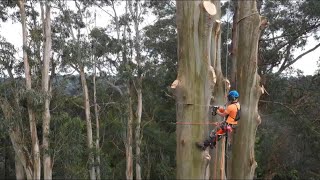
222 112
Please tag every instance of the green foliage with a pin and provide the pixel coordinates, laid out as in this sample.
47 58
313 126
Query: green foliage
288 138
103 44
290 24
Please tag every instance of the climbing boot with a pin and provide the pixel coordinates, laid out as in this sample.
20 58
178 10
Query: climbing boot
201 146
213 144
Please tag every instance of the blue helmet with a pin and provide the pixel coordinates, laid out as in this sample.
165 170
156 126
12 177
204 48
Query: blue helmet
233 95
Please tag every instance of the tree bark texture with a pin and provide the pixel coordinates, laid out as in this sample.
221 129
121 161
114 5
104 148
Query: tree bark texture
129 139
217 170
138 86
32 121
129 112
19 169
195 82
96 113
233 74
47 164
20 149
248 33
137 134
92 172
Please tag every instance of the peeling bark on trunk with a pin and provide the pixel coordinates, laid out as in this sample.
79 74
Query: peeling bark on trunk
194 84
248 33
47 164
32 120
89 124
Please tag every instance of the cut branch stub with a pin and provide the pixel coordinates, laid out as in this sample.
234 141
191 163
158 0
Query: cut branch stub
175 84
213 74
209 7
217 27
227 85
263 22
263 90
207 156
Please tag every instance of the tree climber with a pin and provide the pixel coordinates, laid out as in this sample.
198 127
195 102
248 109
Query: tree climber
231 114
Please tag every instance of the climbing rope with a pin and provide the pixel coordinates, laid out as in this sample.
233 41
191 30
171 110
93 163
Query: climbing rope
198 123
226 76
227 47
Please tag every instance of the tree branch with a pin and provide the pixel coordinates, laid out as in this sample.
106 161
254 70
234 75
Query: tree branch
280 103
296 59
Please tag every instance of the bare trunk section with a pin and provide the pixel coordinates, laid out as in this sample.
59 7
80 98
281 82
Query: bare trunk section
217 170
47 164
137 134
248 33
22 155
138 87
129 135
233 74
129 130
193 86
32 121
19 168
233 78
96 113
89 124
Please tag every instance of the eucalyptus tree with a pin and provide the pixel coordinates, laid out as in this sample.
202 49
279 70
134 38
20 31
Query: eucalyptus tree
136 12
46 20
292 24
123 65
76 55
249 25
36 165
30 161
198 68
10 102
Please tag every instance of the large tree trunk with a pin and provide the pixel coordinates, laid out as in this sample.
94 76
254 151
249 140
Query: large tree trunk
129 134
96 114
92 172
47 164
32 120
248 33
138 86
21 152
129 130
233 74
137 134
19 168
193 86
217 168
